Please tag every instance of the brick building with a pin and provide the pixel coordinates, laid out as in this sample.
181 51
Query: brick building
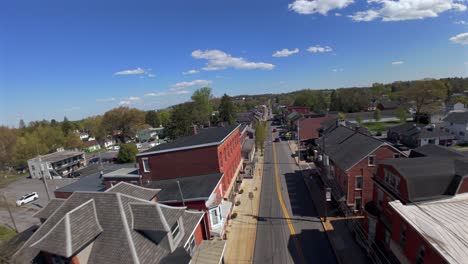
418 211
350 160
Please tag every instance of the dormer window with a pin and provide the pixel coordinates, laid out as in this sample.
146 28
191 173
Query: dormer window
175 230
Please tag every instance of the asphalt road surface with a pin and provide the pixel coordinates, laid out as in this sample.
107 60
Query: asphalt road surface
288 230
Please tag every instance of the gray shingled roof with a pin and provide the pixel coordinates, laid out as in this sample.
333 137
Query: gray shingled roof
457 118
430 177
346 147
50 208
134 190
420 131
205 185
117 243
212 135
432 150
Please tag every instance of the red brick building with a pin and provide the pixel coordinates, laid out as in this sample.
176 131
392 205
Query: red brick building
418 211
350 161
211 150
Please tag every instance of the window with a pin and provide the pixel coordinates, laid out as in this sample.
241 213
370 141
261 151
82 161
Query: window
358 182
215 216
396 155
403 236
357 203
33 167
420 255
175 230
191 245
146 167
371 160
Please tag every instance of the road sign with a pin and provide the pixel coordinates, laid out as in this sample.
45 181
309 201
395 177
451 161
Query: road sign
328 194
251 195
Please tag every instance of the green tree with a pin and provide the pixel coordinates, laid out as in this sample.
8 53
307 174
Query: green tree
335 104
181 121
127 153
426 96
377 115
66 126
164 117
401 114
260 135
124 119
202 108
227 111
341 116
8 139
93 125
73 141
152 118
22 125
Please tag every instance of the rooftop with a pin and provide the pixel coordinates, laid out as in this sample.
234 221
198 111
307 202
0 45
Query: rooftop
115 223
123 173
134 190
205 185
457 117
58 156
209 252
309 127
432 150
429 219
205 137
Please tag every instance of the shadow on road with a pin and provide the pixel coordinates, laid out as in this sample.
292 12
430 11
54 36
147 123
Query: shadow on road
311 247
266 218
299 198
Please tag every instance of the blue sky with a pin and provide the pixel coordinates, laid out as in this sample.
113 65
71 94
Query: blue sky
81 58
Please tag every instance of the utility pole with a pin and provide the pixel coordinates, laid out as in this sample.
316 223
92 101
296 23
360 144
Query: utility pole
181 194
9 211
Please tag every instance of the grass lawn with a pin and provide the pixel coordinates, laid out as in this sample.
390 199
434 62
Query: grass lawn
6 233
6 179
379 126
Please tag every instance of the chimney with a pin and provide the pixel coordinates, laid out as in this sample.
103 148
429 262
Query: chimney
194 130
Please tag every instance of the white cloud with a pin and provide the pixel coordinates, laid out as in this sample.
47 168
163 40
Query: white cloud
182 92
190 72
337 70
131 72
397 62
460 39
307 7
399 10
104 100
219 60
133 98
151 75
337 14
461 22
285 53
125 102
183 85
318 48
156 94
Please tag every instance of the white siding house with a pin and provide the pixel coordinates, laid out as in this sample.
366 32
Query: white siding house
457 124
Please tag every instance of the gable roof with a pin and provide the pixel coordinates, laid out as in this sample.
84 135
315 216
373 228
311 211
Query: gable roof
205 185
74 225
430 177
346 147
457 118
420 131
432 150
309 127
206 137
134 190
49 209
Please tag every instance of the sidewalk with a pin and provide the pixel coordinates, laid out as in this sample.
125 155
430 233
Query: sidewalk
341 239
241 231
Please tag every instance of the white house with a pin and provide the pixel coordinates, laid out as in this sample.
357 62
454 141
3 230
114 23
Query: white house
59 163
457 124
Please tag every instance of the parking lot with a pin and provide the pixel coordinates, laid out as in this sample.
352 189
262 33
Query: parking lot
23 215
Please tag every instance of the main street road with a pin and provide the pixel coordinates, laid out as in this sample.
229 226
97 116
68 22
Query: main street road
288 230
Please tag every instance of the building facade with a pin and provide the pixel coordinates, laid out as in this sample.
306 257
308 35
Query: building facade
59 163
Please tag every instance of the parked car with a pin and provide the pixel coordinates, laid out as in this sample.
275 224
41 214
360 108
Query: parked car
27 198
75 174
116 147
274 129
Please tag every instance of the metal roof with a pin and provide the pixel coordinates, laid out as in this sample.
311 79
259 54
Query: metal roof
58 156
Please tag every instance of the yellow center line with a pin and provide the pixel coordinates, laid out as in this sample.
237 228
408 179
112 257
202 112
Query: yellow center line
283 206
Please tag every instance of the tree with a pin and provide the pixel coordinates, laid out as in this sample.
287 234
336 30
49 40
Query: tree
73 141
181 121
377 115
227 111
401 114
260 135
124 119
127 153
426 96
93 125
202 107
152 118
164 117
22 125
341 116
8 139
66 126
335 104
